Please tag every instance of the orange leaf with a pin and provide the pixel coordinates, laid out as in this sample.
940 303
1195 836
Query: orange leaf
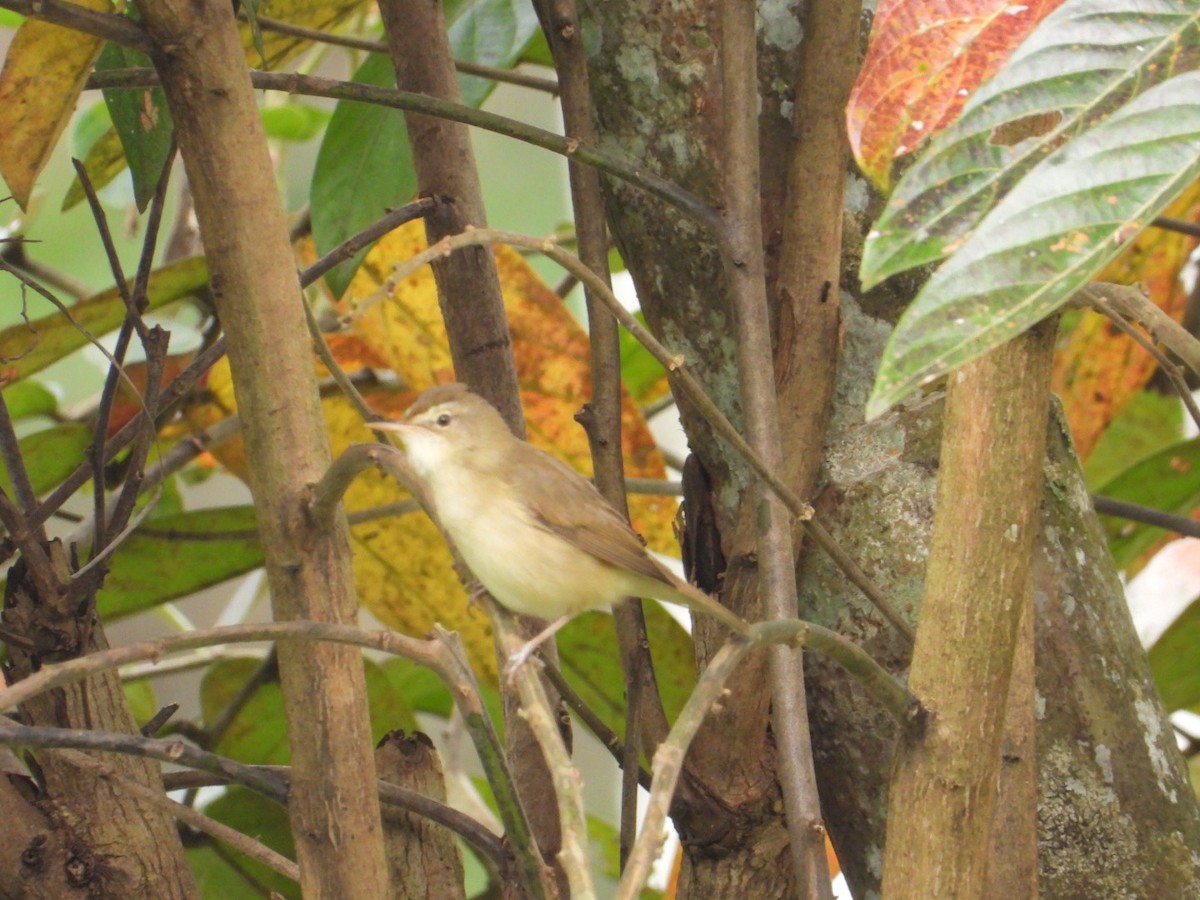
130 389
924 60
1097 368
43 74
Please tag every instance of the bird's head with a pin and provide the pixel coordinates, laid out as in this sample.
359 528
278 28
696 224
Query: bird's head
448 425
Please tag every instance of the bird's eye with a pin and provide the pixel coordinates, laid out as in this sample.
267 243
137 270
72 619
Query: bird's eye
443 420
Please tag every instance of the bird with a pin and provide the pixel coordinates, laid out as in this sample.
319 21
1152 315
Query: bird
535 533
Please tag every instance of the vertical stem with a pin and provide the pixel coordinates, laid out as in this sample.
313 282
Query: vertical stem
646 721
468 286
977 586
473 309
333 805
745 271
808 284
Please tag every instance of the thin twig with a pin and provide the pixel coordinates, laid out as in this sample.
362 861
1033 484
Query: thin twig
609 738
1191 229
489 847
56 675
14 464
1135 512
1130 302
313 86
392 219
745 273
267 671
179 387
710 691
537 712
12 251
465 67
645 719
1103 304
118 29
169 751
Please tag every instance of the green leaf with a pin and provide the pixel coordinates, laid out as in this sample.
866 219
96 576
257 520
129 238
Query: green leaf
25 399
294 121
491 33
591 662
364 168
31 347
641 373
1168 480
421 688
258 733
91 124
1082 63
142 121
140 697
537 51
1148 422
251 9
49 455
104 162
228 873
175 555
1175 662
1071 215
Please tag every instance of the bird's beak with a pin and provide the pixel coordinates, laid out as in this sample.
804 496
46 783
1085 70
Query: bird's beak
395 427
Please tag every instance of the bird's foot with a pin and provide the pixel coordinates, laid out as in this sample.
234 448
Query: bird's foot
518 659
475 593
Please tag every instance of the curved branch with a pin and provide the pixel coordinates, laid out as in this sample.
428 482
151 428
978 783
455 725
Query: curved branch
242 843
668 761
170 751
493 73
118 29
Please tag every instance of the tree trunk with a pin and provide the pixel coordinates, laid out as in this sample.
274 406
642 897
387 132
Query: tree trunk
1115 812
654 83
333 806
105 841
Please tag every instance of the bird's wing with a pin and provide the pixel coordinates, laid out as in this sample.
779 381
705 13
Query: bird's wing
564 502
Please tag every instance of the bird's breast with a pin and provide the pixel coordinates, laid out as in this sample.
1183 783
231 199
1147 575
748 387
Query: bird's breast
525 567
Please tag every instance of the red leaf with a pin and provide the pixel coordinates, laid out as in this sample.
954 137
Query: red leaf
924 60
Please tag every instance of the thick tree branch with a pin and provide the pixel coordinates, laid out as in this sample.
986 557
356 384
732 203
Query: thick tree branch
335 816
313 86
745 273
977 584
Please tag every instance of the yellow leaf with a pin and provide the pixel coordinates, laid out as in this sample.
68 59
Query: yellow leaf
104 162
43 74
320 15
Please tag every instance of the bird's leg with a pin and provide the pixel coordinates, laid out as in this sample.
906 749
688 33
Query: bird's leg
522 656
475 593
